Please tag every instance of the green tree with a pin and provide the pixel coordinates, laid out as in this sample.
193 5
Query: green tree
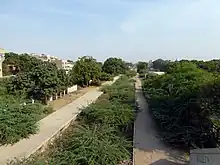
63 79
41 82
142 67
85 69
161 65
114 66
129 64
21 84
46 80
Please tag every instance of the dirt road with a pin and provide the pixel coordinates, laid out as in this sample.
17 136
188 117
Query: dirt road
148 148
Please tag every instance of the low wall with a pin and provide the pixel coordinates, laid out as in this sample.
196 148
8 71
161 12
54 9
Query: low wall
158 73
205 156
72 89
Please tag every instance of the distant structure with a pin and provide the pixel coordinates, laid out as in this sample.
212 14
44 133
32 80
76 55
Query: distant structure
2 58
150 65
44 57
67 65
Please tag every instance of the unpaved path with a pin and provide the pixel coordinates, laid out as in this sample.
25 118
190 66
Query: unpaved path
68 98
148 148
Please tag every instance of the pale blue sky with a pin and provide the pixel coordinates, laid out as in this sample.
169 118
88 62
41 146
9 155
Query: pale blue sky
131 29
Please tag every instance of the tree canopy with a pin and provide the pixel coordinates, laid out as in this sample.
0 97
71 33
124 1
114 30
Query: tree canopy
85 69
22 63
114 66
161 65
42 81
141 67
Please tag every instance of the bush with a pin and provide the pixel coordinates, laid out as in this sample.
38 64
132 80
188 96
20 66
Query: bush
18 121
130 73
114 114
105 77
48 109
96 83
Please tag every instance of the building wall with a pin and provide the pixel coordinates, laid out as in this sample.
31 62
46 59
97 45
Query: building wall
2 58
67 65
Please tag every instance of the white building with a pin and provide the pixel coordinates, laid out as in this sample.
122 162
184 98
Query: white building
2 58
67 65
44 57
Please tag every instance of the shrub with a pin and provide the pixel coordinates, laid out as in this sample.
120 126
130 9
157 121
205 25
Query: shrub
18 121
114 114
96 82
105 77
130 73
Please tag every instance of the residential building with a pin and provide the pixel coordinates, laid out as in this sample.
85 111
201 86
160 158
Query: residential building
44 57
67 65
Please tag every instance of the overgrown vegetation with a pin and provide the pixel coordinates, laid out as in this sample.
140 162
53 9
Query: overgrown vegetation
182 103
18 120
40 80
103 135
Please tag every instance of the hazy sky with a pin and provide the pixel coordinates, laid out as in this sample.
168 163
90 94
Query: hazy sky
130 29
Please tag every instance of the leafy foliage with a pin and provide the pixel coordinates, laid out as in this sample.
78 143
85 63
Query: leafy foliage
18 121
22 63
181 103
130 73
105 77
41 82
161 65
142 67
114 66
84 70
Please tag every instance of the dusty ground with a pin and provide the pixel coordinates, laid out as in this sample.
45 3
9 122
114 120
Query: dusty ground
61 102
148 148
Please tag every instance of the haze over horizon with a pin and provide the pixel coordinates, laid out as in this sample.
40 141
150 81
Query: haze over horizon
130 29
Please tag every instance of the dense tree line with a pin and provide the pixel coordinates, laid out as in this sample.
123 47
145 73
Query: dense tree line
39 80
